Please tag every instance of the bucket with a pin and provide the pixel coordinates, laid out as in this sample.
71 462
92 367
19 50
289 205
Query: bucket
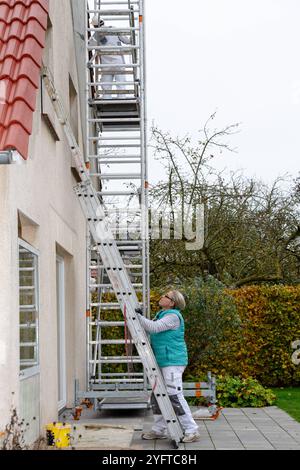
58 435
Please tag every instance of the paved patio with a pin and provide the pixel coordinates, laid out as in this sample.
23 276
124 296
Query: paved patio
267 428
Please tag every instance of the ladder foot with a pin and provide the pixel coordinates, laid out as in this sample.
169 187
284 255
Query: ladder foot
175 444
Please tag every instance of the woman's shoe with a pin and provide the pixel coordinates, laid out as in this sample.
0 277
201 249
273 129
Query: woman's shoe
153 435
194 437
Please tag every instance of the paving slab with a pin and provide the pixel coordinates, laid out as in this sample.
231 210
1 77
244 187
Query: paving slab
236 428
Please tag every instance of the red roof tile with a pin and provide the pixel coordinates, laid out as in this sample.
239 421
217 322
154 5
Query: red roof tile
23 25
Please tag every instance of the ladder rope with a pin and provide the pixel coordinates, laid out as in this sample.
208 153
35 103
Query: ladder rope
130 367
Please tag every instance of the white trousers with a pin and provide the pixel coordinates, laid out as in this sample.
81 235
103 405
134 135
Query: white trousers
110 78
173 380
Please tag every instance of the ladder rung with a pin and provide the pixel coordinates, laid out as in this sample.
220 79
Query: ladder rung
120 72
117 92
115 101
120 145
121 374
105 324
120 176
110 138
124 2
112 157
124 12
116 360
132 137
127 266
120 385
113 50
120 111
123 386
127 83
106 305
113 31
129 248
119 381
130 94
118 229
119 18
111 162
119 119
124 211
109 341
119 2
117 193
110 306
113 67
120 395
124 242
109 286
121 129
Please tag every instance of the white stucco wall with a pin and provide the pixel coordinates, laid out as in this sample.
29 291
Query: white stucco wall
42 190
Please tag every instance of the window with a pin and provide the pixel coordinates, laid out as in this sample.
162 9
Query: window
48 50
73 103
47 110
29 309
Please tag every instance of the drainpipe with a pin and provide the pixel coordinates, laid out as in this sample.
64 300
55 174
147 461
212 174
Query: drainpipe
7 157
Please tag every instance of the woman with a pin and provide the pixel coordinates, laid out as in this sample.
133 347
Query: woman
169 347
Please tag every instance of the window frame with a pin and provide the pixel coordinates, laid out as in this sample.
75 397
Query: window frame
35 368
61 333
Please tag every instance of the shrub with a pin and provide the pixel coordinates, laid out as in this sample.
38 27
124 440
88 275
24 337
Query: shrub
13 438
237 392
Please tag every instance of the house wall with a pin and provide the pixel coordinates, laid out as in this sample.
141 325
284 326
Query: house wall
40 193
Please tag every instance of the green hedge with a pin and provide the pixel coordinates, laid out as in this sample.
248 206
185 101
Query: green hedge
261 348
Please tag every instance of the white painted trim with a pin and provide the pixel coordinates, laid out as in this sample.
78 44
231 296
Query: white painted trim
28 247
30 372
61 333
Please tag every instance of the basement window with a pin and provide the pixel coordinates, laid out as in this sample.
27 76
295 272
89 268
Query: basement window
29 309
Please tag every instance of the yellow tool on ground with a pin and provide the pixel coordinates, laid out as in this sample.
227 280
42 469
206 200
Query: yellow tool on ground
58 435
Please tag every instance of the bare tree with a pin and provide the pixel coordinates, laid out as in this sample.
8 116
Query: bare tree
251 230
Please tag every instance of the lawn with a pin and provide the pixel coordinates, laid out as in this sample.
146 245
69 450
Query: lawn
288 399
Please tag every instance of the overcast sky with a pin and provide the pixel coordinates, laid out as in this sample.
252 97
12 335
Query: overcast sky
238 57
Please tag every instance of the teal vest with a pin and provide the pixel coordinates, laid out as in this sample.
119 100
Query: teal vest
169 346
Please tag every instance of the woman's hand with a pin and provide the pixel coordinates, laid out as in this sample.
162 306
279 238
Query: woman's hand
139 311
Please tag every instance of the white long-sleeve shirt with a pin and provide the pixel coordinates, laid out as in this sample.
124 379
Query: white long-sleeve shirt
168 322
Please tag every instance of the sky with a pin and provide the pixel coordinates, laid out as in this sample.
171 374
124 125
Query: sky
237 57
